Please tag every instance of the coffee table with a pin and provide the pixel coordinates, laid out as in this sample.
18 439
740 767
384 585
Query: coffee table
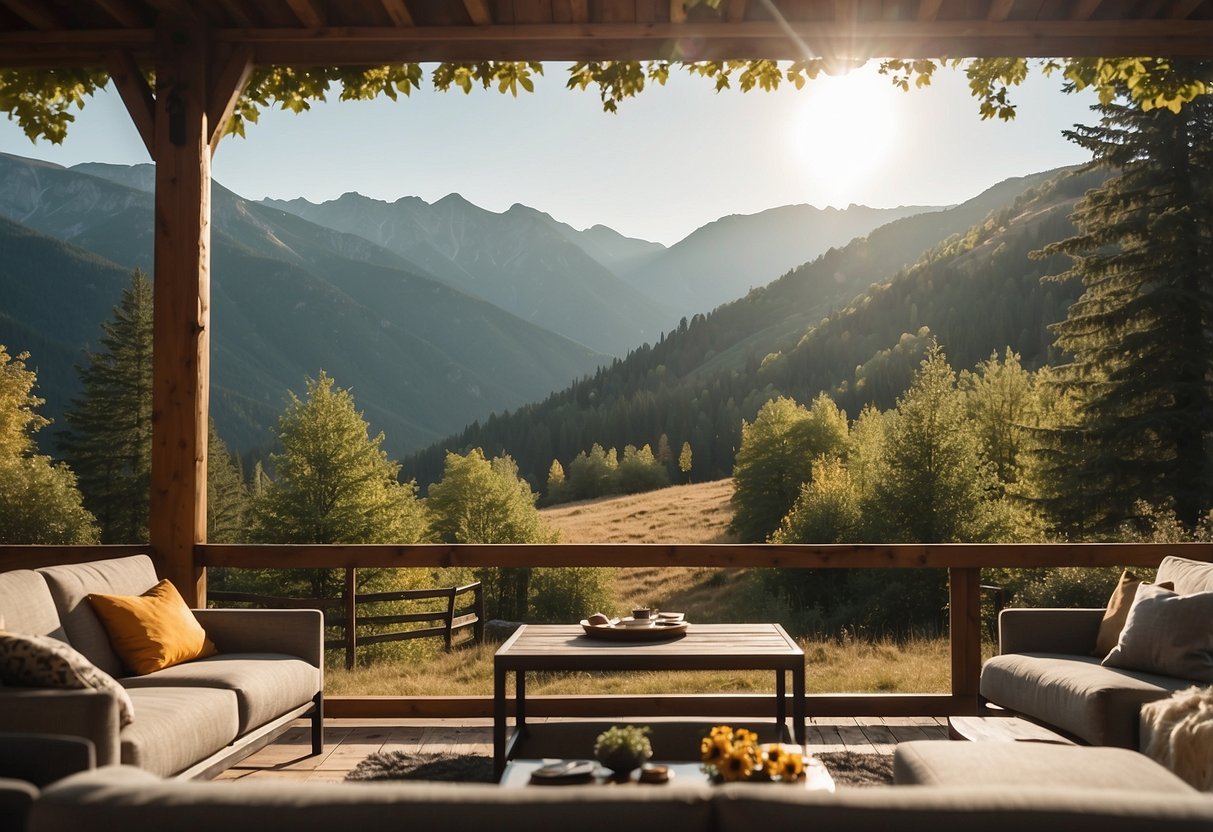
566 647
1001 729
518 774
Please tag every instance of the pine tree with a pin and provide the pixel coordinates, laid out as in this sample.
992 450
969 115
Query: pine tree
1139 336
108 441
227 497
685 461
39 501
557 490
333 483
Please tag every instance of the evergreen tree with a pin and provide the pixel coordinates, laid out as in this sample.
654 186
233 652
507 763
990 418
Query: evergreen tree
1139 336
227 497
640 471
932 485
776 458
685 461
333 483
557 490
108 441
39 502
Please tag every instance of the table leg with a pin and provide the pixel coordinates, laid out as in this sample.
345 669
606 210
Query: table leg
781 705
520 701
499 724
798 706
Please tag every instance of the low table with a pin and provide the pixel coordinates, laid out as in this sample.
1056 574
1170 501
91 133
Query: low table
566 647
518 774
1001 729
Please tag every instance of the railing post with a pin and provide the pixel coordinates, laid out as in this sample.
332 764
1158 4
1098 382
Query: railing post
964 624
351 617
449 635
478 627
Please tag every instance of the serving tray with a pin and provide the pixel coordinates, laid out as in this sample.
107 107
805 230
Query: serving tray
618 632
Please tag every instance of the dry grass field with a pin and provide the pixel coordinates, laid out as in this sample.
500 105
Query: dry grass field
681 514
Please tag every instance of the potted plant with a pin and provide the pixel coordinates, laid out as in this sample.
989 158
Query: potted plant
623 748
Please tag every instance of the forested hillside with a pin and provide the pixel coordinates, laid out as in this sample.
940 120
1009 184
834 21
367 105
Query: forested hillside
289 298
949 273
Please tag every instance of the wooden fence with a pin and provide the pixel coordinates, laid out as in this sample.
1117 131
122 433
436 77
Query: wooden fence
342 613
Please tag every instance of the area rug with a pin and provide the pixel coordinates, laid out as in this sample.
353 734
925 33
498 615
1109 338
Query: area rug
848 768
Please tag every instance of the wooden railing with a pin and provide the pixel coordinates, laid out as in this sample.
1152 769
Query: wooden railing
342 613
963 561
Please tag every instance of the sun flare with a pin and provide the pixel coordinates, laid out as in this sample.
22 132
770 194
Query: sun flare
843 133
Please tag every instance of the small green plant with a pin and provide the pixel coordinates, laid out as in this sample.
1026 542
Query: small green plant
623 748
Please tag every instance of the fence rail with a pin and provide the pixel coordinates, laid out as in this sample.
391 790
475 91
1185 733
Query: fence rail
342 613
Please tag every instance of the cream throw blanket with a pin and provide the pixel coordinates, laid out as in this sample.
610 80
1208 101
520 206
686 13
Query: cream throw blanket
1178 733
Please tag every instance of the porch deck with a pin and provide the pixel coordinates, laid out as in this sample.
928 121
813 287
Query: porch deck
349 741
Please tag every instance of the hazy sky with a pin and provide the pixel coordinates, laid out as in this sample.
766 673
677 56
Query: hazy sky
671 160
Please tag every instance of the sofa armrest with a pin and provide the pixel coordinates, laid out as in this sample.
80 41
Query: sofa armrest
16 798
1065 631
293 632
91 714
42 759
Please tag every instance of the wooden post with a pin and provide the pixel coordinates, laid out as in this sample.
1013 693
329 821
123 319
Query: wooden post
181 332
964 619
351 616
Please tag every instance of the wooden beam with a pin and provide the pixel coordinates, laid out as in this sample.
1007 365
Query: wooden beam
238 12
309 14
1182 9
136 95
846 12
181 303
1083 9
398 11
964 623
579 10
478 11
840 556
1000 10
678 11
224 91
38 15
182 8
123 11
735 13
36 557
928 10
756 706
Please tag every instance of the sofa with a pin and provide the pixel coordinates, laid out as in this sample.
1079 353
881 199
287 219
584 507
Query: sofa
1045 669
189 720
120 797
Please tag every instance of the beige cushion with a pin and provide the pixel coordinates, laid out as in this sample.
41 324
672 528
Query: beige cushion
177 727
1075 694
1028 764
1189 576
1118 611
266 685
26 605
45 662
1168 634
70 585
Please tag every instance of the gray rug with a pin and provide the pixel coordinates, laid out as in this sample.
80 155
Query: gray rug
847 768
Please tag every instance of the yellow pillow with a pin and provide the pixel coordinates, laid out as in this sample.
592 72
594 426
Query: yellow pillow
154 630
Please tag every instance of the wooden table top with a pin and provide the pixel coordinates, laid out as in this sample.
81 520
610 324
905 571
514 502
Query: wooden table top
683 774
703 647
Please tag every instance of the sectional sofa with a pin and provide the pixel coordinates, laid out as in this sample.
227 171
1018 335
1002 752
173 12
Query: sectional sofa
135 801
189 720
1045 669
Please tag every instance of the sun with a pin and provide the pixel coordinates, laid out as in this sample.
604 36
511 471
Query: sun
843 133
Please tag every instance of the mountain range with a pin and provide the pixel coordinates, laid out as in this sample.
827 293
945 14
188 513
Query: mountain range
854 323
434 315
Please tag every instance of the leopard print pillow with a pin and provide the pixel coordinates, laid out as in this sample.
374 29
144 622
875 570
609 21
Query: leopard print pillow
42 661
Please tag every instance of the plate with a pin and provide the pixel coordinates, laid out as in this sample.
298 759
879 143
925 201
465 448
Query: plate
659 632
566 772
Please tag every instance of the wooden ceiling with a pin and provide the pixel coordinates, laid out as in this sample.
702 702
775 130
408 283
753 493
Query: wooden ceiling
361 32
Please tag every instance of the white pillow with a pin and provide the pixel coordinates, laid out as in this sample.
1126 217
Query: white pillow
42 661
1168 634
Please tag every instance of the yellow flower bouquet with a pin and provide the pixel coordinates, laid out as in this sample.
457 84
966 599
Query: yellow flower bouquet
734 755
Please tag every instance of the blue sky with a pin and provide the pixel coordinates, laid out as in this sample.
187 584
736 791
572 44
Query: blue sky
671 160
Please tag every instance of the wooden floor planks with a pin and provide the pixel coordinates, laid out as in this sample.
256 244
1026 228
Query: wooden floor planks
348 742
